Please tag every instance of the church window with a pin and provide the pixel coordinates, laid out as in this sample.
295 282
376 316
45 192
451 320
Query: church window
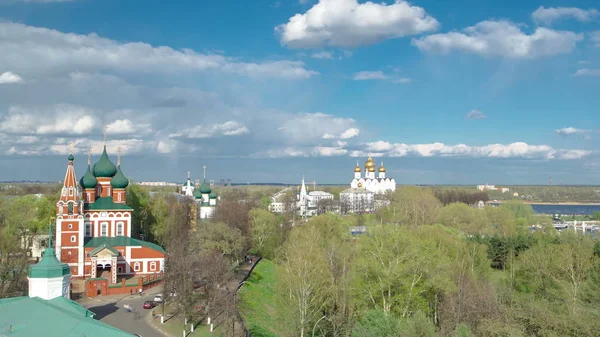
70 226
88 229
108 191
98 191
136 266
69 253
73 239
104 229
119 270
60 209
152 266
70 208
119 196
70 191
64 191
88 196
119 229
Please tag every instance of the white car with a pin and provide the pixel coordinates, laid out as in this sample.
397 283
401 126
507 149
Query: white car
158 298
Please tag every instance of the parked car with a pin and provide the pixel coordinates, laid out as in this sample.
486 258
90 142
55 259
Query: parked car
158 298
149 304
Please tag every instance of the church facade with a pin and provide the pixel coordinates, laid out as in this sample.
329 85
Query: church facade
94 225
369 181
206 198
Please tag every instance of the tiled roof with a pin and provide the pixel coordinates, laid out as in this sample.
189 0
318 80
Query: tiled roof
59 317
106 204
121 241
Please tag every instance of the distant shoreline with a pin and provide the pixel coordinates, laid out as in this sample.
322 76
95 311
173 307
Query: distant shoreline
564 203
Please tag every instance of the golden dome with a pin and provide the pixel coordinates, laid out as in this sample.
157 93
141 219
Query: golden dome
372 169
381 168
369 163
359 184
357 168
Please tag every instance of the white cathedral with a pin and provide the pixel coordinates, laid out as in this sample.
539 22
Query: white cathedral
378 185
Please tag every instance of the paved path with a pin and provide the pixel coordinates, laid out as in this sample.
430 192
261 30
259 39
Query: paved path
110 310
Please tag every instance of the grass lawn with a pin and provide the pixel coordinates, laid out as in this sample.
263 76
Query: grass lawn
257 300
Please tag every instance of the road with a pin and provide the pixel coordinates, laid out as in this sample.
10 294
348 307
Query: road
111 311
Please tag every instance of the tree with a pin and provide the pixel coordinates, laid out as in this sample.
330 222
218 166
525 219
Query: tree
414 206
304 283
377 322
264 229
521 211
139 199
463 217
233 213
219 237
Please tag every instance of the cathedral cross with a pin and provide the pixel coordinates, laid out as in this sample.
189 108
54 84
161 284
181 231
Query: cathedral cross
105 130
204 167
89 156
71 147
118 156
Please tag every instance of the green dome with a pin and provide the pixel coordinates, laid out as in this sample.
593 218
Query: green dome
71 158
212 195
119 180
104 167
205 188
49 266
88 180
197 193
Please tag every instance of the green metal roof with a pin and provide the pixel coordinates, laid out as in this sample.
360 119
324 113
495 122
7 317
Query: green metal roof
49 266
212 195
104 246
119 180
205 188
88 180
106 204
71 158
121 241
58 317
104 167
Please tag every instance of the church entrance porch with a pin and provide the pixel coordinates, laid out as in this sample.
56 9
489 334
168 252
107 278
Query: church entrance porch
104 263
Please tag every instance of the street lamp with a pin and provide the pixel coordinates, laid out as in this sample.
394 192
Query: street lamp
314 327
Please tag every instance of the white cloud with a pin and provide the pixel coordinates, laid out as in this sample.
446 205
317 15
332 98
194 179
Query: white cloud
48 50
587 72
229 128
126 126
568 131
58 119
513 150
369 75
322 55
402 80
10 78
379 75
329 151
475 114
350 133
349 24
501 39
595 37
312 128
547 16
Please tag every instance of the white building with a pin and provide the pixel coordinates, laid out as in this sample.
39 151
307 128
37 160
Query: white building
357 200
379 184
487 187
309 202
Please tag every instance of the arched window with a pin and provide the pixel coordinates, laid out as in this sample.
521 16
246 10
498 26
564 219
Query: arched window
88 229
104 229
119 229
73 238
70 208
152 266
136 266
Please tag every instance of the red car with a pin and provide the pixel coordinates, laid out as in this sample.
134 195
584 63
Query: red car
149 305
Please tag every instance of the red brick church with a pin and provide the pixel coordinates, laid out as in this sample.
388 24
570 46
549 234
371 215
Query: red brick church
93 226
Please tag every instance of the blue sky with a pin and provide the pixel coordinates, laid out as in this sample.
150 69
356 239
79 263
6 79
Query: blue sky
443 92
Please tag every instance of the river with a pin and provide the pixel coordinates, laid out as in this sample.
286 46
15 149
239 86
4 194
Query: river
565 209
